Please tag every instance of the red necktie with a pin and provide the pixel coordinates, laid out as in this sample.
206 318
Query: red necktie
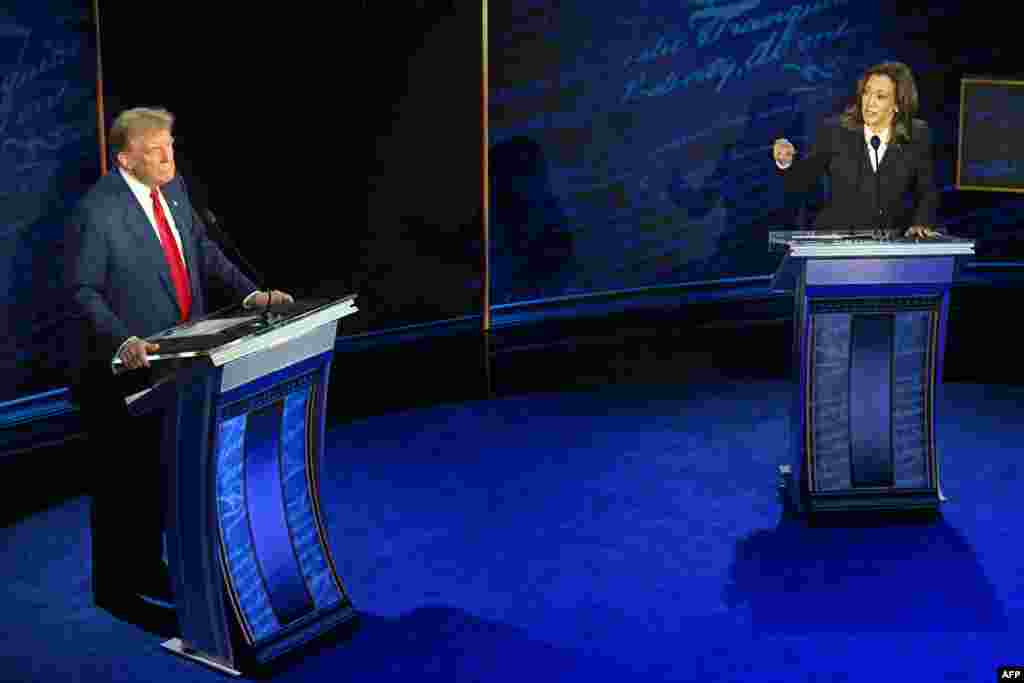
174 261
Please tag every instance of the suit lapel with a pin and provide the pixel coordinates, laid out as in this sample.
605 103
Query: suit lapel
861 150
151 252
893 154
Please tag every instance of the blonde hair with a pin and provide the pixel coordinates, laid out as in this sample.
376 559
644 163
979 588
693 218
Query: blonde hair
132 123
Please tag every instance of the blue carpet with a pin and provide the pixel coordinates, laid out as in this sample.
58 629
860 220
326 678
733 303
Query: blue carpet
630 533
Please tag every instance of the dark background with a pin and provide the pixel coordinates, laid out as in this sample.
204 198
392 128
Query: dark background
632 142
48 157
991 152
282 110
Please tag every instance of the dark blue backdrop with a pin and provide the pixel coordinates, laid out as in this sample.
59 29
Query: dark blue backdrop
631 142
628 147
49 157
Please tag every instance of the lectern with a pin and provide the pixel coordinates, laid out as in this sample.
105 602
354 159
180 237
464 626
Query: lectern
251 566
869 331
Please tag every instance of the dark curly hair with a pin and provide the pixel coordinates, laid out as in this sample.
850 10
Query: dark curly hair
906 99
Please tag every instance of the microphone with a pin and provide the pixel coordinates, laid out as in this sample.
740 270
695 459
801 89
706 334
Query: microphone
213 225
876 142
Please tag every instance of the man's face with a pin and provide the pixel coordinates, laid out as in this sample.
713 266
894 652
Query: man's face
149 156
878 104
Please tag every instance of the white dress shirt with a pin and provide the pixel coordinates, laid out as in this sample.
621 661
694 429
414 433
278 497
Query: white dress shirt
884 137
142 193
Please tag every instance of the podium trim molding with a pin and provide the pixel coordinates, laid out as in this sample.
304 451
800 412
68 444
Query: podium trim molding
180 648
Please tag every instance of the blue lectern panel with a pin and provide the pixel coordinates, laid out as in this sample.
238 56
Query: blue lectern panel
278 566
257 614
870 377
863 272
831 407
871 400
264 497
252 568
910 396
296 463
868 346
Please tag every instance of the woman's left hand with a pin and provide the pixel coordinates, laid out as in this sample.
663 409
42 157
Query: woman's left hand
919 231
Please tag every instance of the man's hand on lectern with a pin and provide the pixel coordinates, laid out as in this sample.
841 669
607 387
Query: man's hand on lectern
134 355
259 299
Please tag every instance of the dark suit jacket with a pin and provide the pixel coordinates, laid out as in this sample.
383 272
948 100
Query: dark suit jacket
842 154
117 276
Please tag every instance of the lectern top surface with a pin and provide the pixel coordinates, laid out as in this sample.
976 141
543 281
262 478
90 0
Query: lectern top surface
853 243
233 324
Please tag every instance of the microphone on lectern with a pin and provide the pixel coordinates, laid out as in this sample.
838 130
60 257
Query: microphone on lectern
209 219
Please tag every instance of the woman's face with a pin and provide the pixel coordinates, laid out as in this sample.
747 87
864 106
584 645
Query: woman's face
878 103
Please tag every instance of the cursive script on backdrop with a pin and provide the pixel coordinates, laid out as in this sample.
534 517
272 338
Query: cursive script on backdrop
37 98
778 39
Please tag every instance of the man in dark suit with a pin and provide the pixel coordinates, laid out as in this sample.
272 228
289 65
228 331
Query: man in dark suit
137 263
874 153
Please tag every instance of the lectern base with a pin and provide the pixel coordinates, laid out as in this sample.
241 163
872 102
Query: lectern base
179 647
795 502
876 501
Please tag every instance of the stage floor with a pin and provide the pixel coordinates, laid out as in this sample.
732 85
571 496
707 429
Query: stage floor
624 532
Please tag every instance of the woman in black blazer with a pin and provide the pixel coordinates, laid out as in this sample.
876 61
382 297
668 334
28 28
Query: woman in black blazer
878 125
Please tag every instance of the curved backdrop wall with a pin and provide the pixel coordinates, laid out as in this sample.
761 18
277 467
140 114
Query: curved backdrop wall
48 158
631 142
